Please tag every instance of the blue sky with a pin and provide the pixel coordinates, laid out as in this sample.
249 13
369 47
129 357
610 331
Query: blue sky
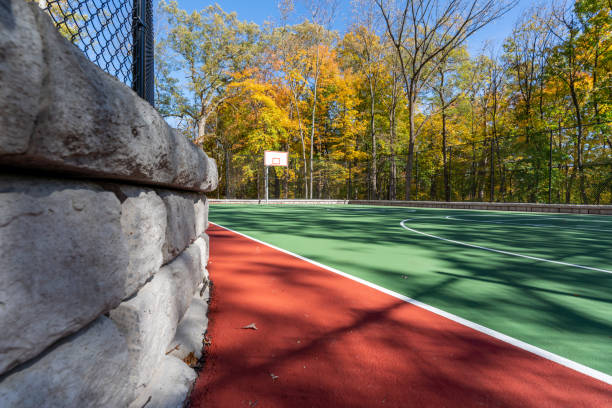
259 11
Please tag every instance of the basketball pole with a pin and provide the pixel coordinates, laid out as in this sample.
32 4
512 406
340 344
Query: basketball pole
266 183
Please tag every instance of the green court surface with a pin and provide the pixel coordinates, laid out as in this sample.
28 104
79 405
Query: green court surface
545 279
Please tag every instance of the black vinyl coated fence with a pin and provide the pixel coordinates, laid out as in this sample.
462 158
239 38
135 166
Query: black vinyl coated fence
117 35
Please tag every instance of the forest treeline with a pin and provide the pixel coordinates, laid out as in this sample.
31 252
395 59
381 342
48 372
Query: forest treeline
396 107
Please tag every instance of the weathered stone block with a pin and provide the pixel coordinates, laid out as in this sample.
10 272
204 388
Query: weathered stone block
191 329
181 222
170 386
80 119
21 65
64 261
87 369
201 213
143 220
187 218
206 239
149 320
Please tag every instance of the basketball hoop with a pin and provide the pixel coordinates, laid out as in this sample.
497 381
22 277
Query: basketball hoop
274 159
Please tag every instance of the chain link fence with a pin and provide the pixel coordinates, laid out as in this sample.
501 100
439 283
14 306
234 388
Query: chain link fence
117 35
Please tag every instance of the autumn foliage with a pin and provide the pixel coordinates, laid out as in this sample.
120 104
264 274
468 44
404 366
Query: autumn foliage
526 120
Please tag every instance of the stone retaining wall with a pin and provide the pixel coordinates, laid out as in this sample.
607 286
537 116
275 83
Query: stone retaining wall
524 207
103 286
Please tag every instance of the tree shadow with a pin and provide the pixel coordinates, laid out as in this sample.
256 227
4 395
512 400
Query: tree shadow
369 243
323 340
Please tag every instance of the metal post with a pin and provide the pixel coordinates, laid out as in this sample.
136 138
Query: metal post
143 77
450 167
492 187
266 184
138 48
416 175
149 63
550 167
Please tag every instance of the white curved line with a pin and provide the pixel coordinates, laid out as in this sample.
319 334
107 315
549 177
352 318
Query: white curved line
535 258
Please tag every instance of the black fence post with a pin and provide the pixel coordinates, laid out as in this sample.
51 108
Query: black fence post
550 147
416 175
150 55
450 172
492 174
143 78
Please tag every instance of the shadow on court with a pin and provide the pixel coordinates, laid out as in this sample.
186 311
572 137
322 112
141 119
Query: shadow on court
323 340
561 309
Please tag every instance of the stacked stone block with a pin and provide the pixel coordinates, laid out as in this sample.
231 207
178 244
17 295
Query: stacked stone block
102 242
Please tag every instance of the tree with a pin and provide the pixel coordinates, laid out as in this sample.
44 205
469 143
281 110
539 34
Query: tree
526 52
293 63
445 84
366 52
495 83
480 127
391 65
567 67
423 33
67 19
211 44
321 13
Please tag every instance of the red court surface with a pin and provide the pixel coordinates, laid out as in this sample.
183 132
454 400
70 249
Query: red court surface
323 340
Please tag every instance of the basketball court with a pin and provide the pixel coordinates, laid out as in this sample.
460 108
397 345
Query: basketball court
413 307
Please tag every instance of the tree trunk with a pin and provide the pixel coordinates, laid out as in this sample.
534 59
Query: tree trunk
502 172
258 183
201 128
491 159
579 163
350 186
444 152
314 109
594 88
373 136
393 171
228 159
286 177
276 183
301 129
474 186
410 147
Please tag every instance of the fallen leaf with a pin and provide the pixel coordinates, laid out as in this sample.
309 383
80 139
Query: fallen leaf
250 326
191 360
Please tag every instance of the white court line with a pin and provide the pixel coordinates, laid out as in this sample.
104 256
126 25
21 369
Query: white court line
451 217
573 218
591 372
535 258
578 219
